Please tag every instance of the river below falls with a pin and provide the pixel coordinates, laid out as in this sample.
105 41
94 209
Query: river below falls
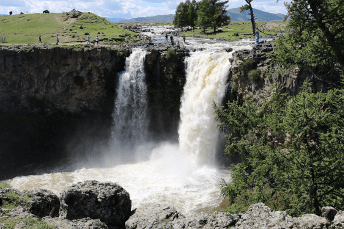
167 177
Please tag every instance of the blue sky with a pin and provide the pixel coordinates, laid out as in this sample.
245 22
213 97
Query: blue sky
120 8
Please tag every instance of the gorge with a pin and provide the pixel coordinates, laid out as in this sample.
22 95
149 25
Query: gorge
65 100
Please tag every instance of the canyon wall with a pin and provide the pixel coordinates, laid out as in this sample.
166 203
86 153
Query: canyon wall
56 103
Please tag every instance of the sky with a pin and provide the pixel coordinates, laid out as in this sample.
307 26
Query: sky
121 8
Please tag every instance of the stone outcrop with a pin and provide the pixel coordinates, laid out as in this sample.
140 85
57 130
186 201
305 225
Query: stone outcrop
244 83
108 202
43 203
92 204
159 216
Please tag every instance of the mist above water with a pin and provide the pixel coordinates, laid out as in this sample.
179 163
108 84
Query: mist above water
183 175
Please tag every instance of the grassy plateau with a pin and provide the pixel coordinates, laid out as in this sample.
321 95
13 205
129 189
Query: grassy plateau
26 28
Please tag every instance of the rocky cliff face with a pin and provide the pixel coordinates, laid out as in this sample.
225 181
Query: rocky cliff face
54 99
57 102
252 75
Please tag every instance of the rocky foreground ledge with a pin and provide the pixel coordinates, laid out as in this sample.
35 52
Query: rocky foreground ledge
92 204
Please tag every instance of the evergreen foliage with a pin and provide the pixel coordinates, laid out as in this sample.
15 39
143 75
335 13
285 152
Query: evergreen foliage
292 150
212 13
316 35
182 18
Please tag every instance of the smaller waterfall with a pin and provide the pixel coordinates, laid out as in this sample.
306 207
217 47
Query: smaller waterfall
206 82
130 122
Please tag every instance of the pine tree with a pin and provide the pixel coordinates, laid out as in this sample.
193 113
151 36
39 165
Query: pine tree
212 13
292 149
316 35
181 17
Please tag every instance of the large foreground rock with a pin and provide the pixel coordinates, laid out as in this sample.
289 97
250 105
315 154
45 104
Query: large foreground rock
108 202
44 203
154 216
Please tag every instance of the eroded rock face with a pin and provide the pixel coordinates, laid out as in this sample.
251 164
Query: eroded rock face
108 202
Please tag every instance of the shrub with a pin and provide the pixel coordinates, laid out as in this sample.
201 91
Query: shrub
293 146
247 65
254 75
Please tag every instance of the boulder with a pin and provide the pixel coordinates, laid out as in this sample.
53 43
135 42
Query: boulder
328 212
152 216
338 221
261 216
108 202
156 216
311 221
44 203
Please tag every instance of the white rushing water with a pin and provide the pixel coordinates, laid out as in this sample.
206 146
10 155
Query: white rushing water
183 175
130 129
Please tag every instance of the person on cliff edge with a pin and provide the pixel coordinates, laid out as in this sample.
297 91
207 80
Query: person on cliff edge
257 37
40 39
88 39
97 40
57 39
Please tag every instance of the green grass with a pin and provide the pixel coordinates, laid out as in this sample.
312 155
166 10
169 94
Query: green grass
26 28
4 185
30 223
241 28
15 200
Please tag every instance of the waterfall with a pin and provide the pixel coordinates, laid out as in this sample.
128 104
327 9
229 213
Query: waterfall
206 81
129 117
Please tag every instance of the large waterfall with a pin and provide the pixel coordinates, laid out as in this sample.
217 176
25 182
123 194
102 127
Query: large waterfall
130 127
206 81
183 175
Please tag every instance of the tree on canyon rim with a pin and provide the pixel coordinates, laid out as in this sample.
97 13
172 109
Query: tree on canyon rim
212 13
186 14
248 6
292 149
315 37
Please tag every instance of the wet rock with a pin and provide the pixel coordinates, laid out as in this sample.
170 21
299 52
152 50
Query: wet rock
108 202
44 203
85 223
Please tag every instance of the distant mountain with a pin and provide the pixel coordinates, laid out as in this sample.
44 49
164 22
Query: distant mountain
154 19
115 19
234 13
260 15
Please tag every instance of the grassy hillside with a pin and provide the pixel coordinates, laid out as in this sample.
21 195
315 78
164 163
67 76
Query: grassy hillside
26 28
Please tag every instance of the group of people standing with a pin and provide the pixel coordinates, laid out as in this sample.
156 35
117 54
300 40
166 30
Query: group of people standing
89 39
172 40
58 40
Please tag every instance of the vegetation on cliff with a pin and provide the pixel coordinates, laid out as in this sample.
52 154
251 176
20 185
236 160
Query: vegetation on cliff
292 147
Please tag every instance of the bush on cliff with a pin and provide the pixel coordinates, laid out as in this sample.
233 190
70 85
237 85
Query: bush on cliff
292 151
